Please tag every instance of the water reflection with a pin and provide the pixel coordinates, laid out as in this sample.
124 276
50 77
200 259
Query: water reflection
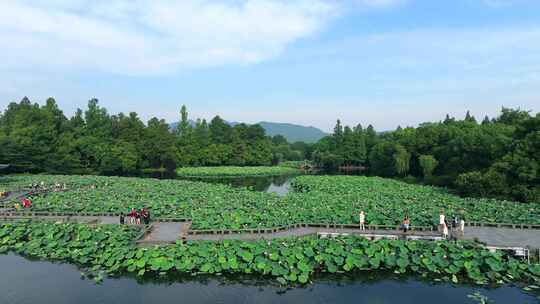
271 184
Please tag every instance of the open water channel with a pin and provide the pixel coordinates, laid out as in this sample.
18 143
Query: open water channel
28 282
271 184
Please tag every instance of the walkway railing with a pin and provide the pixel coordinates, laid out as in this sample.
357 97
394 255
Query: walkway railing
299 226
260 230
502 225
37 214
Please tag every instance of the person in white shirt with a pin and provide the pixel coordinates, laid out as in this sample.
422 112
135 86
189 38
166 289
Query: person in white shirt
445 231
441 221
441 218
362 220
462 226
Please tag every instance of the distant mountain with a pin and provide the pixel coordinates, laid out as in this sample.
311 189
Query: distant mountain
291 132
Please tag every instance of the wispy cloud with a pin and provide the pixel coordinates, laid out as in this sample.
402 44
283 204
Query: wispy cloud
440 51
505 3
153 36
380 3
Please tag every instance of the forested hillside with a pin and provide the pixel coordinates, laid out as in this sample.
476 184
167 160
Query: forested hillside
36 138
291 132
497 157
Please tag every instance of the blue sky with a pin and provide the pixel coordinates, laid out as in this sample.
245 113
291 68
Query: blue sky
384 62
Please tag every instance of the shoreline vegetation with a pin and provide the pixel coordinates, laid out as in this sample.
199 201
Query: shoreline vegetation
232 171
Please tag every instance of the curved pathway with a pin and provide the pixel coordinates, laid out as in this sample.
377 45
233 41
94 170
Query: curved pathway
163 232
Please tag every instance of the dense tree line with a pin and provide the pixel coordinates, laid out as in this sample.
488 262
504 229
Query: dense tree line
497 157
36 138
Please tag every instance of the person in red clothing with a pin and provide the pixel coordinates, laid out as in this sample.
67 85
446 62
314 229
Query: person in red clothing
132 215
138 217
145 214
26 203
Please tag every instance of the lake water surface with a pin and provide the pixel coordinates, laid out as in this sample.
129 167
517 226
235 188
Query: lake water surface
28 282
271 184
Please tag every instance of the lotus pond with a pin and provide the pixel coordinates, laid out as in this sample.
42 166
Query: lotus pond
25 281
315 199
108 250
386 200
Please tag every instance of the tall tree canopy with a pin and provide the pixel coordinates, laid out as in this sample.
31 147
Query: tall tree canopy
38 138
495 158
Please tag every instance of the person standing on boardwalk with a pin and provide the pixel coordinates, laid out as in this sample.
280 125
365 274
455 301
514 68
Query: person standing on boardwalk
405 224
145 216
362 220
455 222
442 221
138 217
122 218
442 218
132 215
462 226
445 231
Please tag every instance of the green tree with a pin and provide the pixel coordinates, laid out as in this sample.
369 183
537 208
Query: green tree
428 164
388 159
401 160
220 131
184 126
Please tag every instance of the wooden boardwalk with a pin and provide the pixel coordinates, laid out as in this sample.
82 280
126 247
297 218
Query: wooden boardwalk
164 231
503 237
305 231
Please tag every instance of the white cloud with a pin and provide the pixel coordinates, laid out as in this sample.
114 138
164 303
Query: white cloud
380 3
145 36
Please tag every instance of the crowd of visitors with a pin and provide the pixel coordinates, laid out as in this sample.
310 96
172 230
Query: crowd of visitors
458 224
136 217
